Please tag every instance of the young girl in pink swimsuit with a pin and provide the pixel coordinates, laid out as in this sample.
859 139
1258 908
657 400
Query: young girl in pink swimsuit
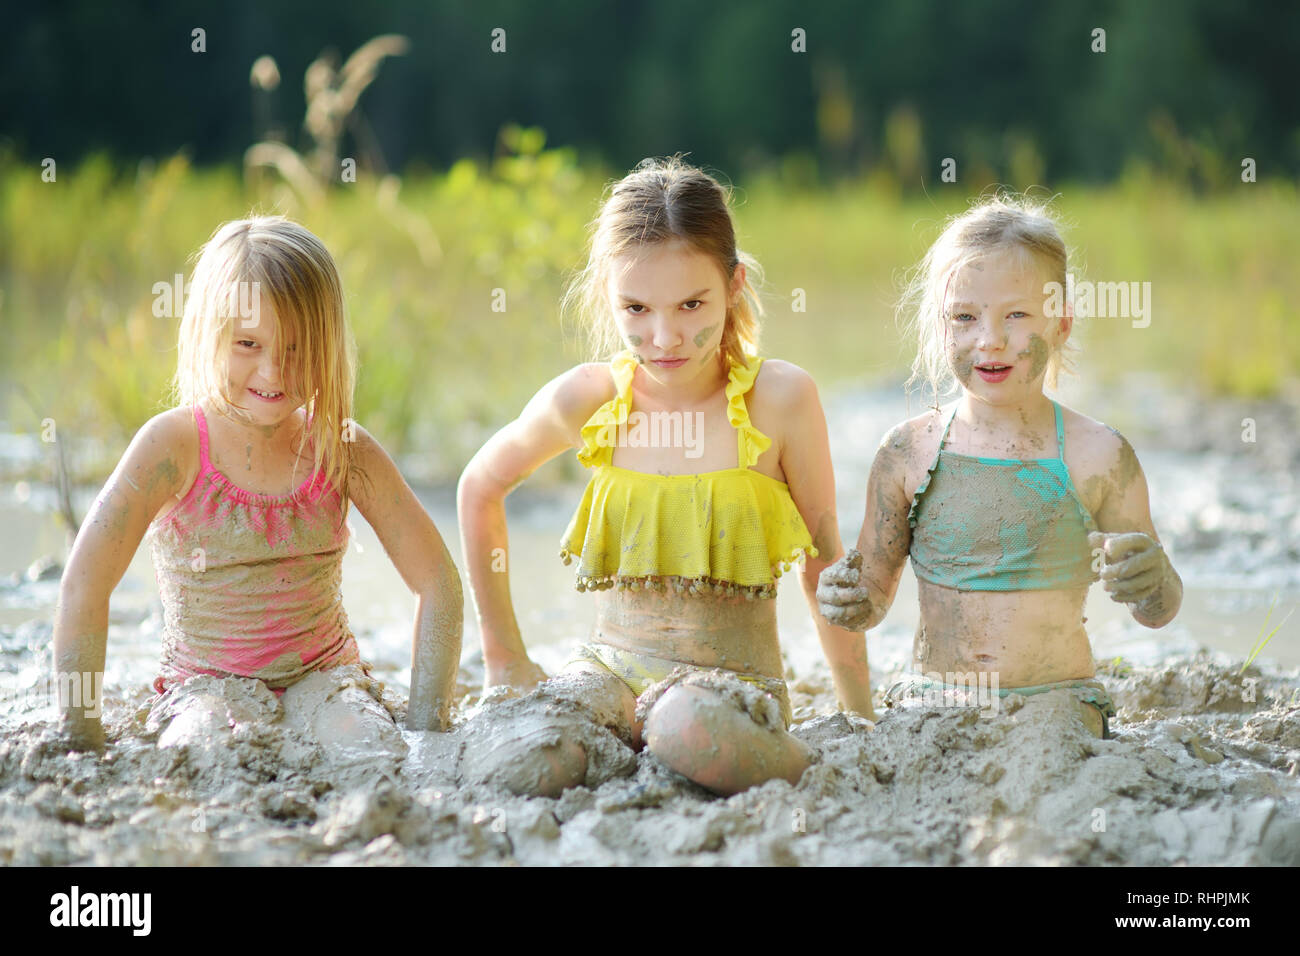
243 489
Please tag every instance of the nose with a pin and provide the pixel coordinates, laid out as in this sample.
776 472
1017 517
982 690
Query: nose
666 335
993 334
268 369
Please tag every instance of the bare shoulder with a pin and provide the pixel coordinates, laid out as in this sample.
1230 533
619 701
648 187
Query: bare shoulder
1100 460
781 388
365 446
910 447
161 462
581 390
169 440
1095 447
916 440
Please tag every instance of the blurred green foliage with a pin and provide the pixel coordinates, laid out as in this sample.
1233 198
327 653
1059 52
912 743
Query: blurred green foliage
421 257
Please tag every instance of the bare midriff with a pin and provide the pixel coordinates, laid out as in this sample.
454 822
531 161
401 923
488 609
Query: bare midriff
1025 637
706 630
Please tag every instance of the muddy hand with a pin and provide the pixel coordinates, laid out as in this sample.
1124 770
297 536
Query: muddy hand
1133 566
520 673
841 597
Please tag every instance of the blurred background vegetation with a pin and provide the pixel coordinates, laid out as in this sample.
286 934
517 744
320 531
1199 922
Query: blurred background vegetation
478 170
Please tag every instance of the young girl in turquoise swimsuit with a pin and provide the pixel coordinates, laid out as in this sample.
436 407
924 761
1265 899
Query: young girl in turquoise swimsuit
1008 503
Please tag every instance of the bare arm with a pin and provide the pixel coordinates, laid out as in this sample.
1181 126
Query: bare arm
857 591
550 424
1136 571
152 471
806 461
413 544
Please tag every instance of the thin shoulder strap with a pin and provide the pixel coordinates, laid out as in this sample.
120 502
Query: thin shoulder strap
623 369
738 410
1060 430
202 423
943 440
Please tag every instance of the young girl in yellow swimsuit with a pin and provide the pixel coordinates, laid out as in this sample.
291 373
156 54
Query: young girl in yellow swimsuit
710 467
1009 504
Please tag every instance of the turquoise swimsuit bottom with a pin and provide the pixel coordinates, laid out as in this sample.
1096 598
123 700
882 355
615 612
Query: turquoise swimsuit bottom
1001 524
1093 692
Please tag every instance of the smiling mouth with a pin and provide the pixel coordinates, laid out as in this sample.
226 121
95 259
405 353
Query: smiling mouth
269 396
993 367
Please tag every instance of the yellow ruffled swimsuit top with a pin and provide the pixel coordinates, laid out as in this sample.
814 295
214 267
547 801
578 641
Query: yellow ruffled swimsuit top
722 532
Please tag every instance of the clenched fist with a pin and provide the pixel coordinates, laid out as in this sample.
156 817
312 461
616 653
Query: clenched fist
841 596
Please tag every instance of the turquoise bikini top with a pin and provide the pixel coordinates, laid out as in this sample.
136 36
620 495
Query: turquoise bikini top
1000 524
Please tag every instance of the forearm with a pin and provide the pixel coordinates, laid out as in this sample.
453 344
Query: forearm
485 546
435 655
845 651
80 641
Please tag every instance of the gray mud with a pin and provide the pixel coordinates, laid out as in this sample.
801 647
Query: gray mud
1203 771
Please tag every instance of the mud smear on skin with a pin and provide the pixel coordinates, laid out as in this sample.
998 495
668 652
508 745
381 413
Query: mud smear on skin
963 366
1038 354
703 336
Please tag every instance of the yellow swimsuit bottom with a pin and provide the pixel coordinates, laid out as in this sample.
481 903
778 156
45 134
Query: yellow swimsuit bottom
640 671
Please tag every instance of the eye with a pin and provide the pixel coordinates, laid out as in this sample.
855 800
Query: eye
247 343
692 304
963 317
630 308
1014 314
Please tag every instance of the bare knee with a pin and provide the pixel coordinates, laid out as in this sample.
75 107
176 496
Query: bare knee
700 735
604 695
1092 719
532 757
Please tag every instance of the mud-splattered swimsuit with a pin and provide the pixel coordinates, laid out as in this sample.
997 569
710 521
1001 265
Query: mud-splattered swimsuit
250 583
1002 524
730 532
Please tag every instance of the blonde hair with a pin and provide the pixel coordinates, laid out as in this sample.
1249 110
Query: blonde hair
296 273
1004 221
664 200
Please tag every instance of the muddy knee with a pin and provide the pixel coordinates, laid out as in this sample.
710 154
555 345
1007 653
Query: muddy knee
706 737
542 760
1092 719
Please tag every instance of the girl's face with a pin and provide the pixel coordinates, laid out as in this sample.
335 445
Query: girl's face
996 334
670 305
254 380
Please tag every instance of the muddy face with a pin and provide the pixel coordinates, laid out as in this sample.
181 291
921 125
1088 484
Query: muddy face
1037 355
994 319
704 335
962 362
670 302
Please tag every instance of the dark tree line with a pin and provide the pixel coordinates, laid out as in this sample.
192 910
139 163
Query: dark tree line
905 81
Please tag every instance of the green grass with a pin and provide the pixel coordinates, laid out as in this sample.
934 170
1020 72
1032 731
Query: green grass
420 260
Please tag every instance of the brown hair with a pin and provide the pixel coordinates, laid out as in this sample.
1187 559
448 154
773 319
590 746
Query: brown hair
665 200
